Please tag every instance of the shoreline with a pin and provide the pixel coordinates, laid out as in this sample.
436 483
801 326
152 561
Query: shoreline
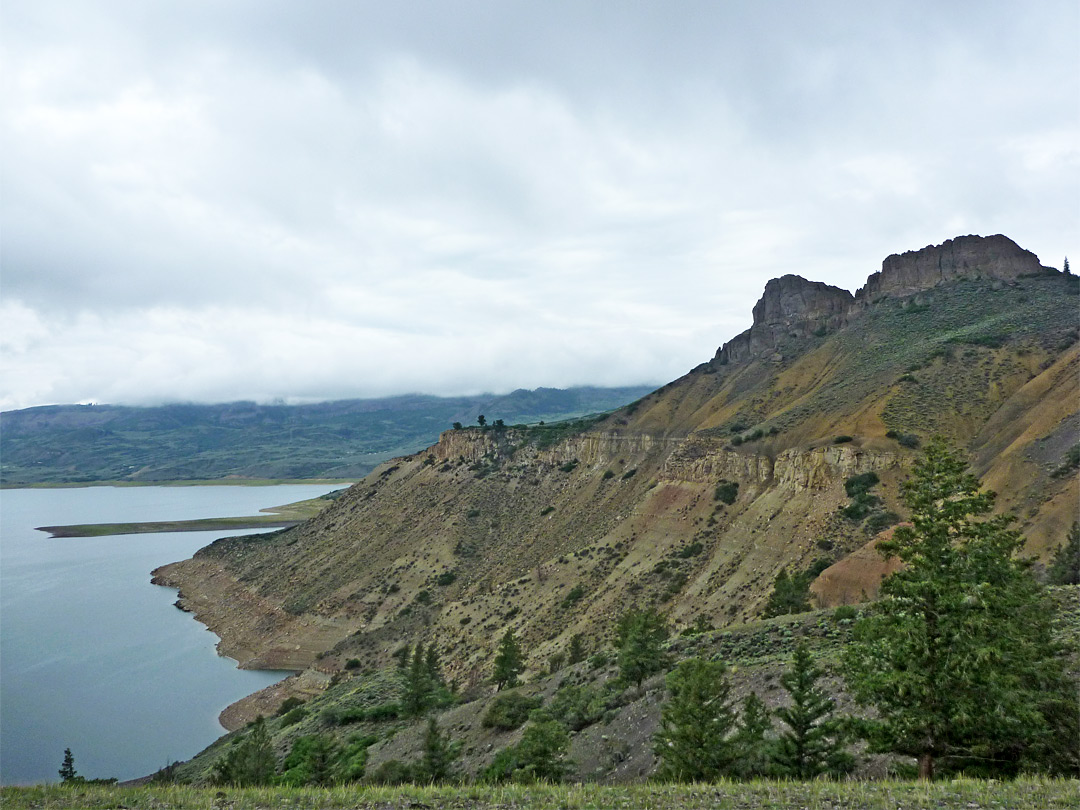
276 517
195 482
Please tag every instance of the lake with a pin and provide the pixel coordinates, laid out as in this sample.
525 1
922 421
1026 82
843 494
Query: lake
95 658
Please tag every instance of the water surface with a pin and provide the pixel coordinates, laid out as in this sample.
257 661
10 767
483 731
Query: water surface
95 658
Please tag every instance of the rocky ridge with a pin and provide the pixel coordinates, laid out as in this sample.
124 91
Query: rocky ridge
792 306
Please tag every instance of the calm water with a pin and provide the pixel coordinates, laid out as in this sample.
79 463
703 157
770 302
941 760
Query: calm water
95 658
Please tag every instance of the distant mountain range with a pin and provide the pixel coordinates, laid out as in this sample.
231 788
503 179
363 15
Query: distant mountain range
344 439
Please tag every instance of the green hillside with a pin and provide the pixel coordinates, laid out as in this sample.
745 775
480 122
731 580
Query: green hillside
344 439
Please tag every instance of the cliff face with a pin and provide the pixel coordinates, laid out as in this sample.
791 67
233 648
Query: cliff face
790 307
996 257
793 308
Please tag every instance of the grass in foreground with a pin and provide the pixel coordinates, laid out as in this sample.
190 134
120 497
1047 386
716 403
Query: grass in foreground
1023 794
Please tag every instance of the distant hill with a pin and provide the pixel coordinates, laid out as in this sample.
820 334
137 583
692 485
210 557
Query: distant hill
343 439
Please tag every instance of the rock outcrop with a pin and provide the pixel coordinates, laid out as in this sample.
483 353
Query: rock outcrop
963 257
790 307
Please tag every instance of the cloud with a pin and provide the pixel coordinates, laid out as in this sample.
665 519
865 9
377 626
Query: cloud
356 199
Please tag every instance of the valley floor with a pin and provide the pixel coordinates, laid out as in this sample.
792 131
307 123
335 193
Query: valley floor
1023 794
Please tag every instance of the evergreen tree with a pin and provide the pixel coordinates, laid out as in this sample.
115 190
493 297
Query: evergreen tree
693 741
432 668
640 637
541 754
753 750
577 652
439 755
312 760
418 684
1066 268
508 663
249 761
543 748
67 769
957 656
1065 567
813 743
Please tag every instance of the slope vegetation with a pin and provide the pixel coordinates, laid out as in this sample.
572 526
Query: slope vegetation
694 497
343 439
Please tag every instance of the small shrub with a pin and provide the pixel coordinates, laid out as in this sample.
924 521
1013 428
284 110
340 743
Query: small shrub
880 521
293 717
392 772
599 660
569 466
607 475
445 578
578 707
575 594
509 711
1070 463
288 704
859 508
726 491
689 551
629 474
423 598
909 440
842 439
736 441
845 613
373 714
547 510
861 484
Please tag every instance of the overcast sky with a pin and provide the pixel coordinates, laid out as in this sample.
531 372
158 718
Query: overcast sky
210 201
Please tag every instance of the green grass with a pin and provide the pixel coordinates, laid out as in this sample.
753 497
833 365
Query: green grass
1023 794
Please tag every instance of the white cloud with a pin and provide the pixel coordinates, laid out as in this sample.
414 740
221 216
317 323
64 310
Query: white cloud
263 200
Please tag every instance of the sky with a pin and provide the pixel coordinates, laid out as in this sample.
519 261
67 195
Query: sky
207 201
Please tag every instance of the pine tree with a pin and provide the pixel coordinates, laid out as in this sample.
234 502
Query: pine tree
693 741
640 637
753 750
67 769
248 762
1065 567
508 663
957 656
577 651
432 668
813 743
418 684
1066 269
439 755
541 754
